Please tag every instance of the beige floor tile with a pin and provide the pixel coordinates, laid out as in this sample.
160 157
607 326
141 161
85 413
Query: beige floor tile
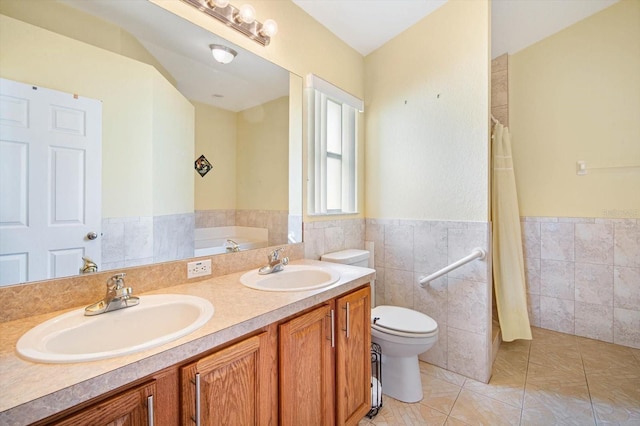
441 373
475 409
554 354
598 355
615 395
558 374
512 366
396 413
565 403
439 394
455 422
550 337
555 379
501 389
541 416
515 346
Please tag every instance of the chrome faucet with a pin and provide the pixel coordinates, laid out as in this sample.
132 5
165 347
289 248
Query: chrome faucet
275 262
232 247
118 297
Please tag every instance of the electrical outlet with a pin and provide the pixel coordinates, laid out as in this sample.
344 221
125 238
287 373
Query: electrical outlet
199 269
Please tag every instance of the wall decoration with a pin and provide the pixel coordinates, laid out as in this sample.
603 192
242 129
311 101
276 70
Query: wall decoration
202 165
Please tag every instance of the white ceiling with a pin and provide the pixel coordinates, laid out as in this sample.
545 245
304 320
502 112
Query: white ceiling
246 82
366 25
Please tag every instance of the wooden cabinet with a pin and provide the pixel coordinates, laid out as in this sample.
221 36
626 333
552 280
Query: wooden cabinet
325 363
353 357
133 407
307 368
233 386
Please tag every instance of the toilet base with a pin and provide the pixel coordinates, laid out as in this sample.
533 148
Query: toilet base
401 378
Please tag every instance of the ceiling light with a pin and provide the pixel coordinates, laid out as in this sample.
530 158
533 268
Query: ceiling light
241 19
222 54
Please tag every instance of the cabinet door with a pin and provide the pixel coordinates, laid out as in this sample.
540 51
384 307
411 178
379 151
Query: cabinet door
130 408
231 386
306 369
353 357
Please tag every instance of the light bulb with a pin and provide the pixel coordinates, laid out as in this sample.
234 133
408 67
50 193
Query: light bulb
269 28
247 14
221 3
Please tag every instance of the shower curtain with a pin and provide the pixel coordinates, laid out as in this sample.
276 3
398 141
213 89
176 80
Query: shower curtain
508 261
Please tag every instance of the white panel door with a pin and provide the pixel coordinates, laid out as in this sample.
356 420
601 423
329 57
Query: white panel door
50 180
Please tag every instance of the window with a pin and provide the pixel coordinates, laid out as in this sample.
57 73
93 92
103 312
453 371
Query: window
332 148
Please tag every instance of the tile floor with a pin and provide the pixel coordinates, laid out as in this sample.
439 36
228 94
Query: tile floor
555 379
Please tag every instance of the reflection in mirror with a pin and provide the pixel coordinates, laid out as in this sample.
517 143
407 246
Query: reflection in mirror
193 152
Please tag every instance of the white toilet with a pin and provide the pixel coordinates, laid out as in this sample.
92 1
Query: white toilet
402 334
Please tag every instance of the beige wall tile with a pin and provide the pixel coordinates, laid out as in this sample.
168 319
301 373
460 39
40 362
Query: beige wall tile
594 321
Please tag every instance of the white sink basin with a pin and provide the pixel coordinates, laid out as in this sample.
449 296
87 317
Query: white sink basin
291 278
74 337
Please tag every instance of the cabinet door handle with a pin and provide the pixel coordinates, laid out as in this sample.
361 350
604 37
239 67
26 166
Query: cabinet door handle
197 419
347 329
150 410
333 326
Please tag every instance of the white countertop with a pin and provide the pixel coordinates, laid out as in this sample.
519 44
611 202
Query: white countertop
31 391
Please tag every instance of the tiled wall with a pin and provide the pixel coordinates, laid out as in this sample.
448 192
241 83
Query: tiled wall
332 235
405 250
500 88
276 221
583 276
460 302
135 241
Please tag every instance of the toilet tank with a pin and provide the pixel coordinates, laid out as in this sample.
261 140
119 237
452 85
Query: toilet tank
351 257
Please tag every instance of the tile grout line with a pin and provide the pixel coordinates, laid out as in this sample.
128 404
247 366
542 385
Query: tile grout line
586 379
526 377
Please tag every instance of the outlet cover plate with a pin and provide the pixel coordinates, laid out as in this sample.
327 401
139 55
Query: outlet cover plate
200 268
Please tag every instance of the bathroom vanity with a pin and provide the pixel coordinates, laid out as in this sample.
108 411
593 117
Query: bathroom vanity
264 357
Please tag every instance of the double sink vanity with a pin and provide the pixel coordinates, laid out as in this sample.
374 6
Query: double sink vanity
242 348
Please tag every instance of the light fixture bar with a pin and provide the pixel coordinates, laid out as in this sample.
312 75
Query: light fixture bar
229 15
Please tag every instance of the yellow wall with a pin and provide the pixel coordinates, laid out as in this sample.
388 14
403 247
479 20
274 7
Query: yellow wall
126 89
576 96
216 140
427 108
173 147
68 21
249 153
301 46
262 174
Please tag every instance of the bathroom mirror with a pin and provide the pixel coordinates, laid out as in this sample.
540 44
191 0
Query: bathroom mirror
180 114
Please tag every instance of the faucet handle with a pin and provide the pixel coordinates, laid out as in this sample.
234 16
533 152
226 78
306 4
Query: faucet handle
275 255
116 281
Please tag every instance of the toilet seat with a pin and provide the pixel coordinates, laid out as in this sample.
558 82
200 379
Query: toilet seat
403 322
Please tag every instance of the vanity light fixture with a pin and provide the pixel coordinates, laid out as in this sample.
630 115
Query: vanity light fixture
242 19
222 54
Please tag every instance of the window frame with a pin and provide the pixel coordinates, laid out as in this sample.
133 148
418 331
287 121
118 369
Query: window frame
319 94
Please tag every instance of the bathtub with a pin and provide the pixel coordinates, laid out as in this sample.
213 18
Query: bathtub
209 241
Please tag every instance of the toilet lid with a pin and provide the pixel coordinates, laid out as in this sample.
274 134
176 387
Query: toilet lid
396 318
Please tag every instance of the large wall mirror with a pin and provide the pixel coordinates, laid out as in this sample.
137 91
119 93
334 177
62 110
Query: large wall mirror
196 157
